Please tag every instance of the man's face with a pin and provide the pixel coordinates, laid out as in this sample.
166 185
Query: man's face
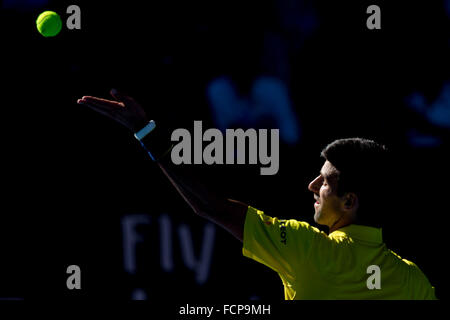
328 205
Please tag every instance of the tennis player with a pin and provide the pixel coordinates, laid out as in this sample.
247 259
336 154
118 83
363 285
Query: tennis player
350 262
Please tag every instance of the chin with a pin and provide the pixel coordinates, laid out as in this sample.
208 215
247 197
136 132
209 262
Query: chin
317 217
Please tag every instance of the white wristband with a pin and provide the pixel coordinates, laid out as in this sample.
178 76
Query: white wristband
145 130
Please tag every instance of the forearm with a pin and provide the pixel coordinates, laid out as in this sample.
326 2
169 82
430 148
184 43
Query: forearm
227 213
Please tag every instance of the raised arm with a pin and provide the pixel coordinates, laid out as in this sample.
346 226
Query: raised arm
227 213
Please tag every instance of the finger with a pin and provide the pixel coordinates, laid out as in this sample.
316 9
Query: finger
101 101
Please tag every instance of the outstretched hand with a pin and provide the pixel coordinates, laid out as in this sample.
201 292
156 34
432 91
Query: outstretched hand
124 109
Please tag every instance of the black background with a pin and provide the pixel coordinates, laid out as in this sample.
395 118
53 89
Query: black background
70 175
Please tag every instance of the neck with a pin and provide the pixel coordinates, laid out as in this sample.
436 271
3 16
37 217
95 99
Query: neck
340 223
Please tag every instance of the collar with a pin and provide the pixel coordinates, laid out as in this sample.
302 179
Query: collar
359 232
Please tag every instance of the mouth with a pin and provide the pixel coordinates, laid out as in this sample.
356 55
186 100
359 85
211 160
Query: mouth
317 201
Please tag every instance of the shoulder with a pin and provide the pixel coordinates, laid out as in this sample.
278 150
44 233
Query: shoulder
418 281
258 216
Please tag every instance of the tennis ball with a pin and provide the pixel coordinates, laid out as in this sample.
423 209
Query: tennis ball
49 23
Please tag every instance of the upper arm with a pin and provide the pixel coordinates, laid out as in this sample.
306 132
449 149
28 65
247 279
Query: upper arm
231 217
228 214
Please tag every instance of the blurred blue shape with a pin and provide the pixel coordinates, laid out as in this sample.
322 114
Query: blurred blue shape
267 101
227 108
139 294
297 16
24 4
271 98
420 140
416 101
438 112
447 7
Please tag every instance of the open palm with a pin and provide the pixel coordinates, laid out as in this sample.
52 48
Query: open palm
123 109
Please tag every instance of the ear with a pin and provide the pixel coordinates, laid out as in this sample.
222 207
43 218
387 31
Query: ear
350 201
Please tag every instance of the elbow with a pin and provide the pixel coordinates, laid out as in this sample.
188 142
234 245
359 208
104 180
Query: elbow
201 212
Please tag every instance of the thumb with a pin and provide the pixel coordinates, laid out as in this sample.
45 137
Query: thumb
120 96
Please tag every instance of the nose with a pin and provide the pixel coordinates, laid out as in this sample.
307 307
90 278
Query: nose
313 185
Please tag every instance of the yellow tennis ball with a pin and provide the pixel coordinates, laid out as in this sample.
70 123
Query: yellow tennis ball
49 23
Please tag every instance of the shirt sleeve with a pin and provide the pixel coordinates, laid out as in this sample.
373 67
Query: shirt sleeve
282 245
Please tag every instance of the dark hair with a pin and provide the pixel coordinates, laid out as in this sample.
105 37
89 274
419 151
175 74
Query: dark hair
363 167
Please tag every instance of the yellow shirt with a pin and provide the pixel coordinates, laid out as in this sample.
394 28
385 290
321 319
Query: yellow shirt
314 265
